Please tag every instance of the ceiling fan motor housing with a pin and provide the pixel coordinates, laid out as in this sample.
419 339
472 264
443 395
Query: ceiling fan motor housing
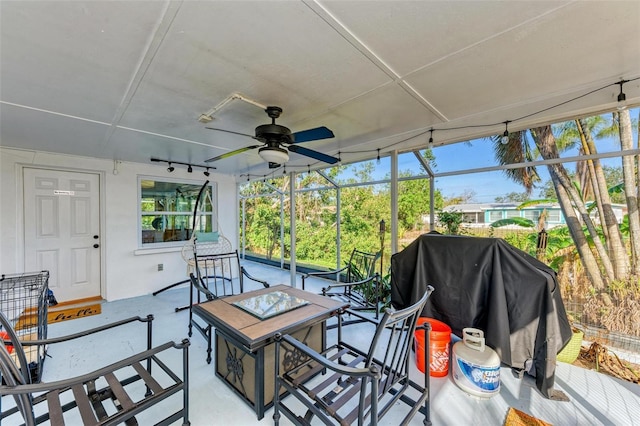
271 132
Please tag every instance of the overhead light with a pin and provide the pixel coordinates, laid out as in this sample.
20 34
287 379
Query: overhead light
206 172
505 136
274 154
622 98
189 166
431 139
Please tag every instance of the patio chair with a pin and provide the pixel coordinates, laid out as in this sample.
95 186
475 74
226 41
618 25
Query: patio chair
204 243
130 385
362 384
217 275
360 286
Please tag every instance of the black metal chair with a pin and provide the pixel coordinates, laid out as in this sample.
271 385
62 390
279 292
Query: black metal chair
357 283
362 384
217 275
130 385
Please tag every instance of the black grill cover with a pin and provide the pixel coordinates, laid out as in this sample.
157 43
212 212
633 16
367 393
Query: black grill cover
488 284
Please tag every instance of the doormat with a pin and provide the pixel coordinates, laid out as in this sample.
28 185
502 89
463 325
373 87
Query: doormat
520 418
65 312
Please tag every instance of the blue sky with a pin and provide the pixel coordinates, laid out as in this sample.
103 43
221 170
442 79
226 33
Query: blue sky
477 154
489 185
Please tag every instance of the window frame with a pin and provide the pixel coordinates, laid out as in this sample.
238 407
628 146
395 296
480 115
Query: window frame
169 244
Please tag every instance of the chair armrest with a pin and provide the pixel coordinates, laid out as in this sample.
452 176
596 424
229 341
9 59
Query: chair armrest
321 274
365 318
349 285
327 363
67 383
195 283
84 333
246 274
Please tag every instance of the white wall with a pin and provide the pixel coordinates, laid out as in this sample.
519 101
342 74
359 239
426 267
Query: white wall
128 270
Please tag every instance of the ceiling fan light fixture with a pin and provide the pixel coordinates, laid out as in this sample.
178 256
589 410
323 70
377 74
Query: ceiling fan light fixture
273 154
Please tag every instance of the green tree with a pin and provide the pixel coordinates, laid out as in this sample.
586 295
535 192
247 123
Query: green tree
451 220
414 201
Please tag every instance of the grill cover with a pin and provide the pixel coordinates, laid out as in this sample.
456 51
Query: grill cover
488 284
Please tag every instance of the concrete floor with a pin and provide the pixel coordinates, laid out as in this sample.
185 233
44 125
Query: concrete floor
594 398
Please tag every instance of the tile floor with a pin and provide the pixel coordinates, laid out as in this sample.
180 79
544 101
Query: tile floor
594 398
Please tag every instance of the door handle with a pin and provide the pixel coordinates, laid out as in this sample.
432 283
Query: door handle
96 245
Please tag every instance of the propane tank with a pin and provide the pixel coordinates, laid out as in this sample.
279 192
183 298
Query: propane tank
476 367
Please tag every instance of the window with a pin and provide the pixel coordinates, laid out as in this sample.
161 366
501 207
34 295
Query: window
166 211
553 216
512 213
495 215
532 214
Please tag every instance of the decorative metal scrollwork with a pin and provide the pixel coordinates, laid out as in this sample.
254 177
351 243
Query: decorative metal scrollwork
234 366
293 358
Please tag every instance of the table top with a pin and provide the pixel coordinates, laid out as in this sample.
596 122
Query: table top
253 332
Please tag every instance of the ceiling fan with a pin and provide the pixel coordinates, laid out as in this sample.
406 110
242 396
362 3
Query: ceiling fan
275 138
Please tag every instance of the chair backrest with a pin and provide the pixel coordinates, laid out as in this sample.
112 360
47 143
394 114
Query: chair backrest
219 273
392 342
362 265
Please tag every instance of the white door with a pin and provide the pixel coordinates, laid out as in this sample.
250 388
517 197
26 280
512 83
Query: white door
61 230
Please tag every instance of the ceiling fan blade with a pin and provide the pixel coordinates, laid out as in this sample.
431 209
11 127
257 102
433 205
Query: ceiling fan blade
313 154
230 153
230 131
312 135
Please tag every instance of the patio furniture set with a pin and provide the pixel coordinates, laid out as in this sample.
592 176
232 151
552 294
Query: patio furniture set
269 346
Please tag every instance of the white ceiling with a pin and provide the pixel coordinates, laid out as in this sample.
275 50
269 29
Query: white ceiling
127 80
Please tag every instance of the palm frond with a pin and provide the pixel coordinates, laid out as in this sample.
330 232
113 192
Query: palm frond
516 151
520 221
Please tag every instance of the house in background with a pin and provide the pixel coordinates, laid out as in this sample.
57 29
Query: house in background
482 215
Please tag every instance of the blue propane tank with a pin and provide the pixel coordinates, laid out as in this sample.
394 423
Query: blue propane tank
476 367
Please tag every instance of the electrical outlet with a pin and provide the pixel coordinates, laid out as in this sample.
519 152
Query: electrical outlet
160 267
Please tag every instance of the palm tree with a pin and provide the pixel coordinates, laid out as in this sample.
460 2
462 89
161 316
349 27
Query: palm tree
570 201
617 252
630 171
519 149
